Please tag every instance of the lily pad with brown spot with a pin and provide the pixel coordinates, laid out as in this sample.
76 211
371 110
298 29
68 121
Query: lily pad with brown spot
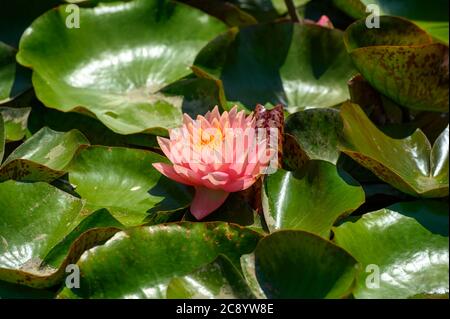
44 156
410 164
401 61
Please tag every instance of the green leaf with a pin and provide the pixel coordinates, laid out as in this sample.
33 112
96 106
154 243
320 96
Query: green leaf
16 120
34 218
7 70
311 199
249 271
124 181
44 156
297 264
400 61
140 47
298 66
397 253
14 79
431 16
317 132
2 137
218 280
431 214
94 130
93 227
410 164
153 256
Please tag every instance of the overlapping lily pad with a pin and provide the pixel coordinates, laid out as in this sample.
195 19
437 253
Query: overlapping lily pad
124 181
296 65
140 47
402 62
219 279
317 132
297 264
431 214
411 164
401 259
16 120
2 138
35 218
7 70
141 262
431 16
43 157
311 199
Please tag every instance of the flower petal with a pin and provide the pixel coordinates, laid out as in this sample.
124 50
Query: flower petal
206 201
168 171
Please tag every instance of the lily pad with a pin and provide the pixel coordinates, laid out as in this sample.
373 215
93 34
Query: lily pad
431 214
7 70
295 65
91 228
124 181
297 264
140 47
410 164
431 16
400 61
2 138
16 120
40 235
311 199
35 217
317 132
217 280
120 268
401 258
44 156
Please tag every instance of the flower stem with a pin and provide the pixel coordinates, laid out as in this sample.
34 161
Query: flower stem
292 10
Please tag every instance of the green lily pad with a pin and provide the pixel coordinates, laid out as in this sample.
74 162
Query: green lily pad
7 70
92 228
401 258
37 220
295 65
94 130
400 61
431 16
431 214
155 255
317 132
2 137
249 272
297 264
43 157
410 164
35 217
124 181
140 47
16 120
311 199
217 280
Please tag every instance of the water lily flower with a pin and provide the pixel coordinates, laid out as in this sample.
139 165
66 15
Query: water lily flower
323 21
217 154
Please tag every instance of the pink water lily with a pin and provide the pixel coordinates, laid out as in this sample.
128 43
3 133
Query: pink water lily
217 155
